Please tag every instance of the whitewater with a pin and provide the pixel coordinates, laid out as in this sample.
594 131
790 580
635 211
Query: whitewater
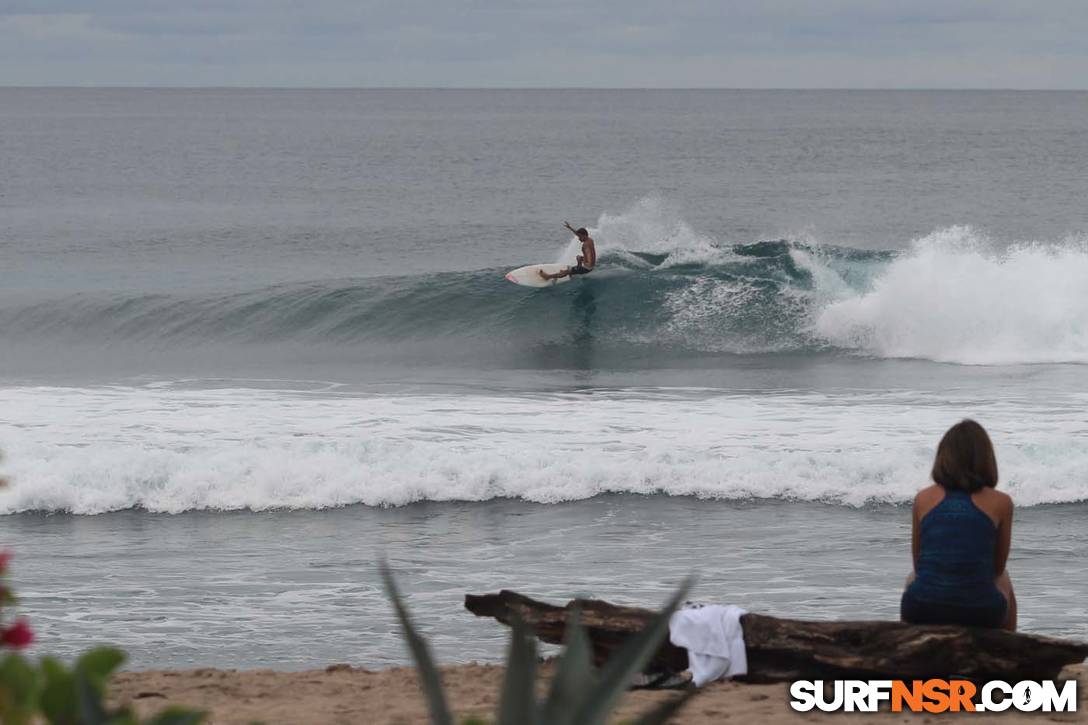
167 448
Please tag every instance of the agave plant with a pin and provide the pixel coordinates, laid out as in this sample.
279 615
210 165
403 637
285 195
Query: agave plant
578 695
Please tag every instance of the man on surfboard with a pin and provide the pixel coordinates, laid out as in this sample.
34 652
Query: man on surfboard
586 260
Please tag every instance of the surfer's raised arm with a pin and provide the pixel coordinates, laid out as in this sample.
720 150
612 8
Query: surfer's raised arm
585 261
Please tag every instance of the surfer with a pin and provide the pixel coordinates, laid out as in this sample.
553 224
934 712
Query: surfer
586 260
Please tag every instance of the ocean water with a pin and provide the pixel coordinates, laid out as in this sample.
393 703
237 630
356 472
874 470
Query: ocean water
253 341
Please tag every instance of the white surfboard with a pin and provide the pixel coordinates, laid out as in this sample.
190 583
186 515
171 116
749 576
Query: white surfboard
529 276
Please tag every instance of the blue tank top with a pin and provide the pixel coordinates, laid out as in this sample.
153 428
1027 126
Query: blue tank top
955 566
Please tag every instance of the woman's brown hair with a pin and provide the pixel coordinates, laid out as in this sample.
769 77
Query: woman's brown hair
965 458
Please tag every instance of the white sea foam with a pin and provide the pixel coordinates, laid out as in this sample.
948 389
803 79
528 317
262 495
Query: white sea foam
653 225
165 449
954 297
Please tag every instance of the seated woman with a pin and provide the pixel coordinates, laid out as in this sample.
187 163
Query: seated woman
961 536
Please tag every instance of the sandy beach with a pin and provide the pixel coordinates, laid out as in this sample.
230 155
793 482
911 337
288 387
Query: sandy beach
344 694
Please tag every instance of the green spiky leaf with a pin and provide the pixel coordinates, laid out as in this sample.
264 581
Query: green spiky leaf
517 705
428 673
575 677
627 660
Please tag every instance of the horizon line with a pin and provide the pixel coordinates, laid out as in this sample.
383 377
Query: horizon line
957 89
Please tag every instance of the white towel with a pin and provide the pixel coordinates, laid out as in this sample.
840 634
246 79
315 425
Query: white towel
714 639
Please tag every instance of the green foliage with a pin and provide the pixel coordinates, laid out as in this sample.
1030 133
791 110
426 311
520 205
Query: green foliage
579 694
71 696
20 684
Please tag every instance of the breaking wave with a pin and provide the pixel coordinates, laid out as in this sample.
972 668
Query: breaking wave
661 289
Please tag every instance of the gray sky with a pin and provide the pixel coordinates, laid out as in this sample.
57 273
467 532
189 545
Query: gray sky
547 43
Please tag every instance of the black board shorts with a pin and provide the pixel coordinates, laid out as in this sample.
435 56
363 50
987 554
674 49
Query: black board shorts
579 269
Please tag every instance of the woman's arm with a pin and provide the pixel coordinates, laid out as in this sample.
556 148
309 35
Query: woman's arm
914 545
1004 537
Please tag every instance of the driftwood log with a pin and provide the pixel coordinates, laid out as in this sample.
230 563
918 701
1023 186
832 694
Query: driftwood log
781 650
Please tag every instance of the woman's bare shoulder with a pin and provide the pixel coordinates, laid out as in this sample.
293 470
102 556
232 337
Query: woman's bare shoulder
1000 498
996 504
927 498
930 494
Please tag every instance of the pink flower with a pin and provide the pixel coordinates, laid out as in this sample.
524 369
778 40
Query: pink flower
5 557
17 635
